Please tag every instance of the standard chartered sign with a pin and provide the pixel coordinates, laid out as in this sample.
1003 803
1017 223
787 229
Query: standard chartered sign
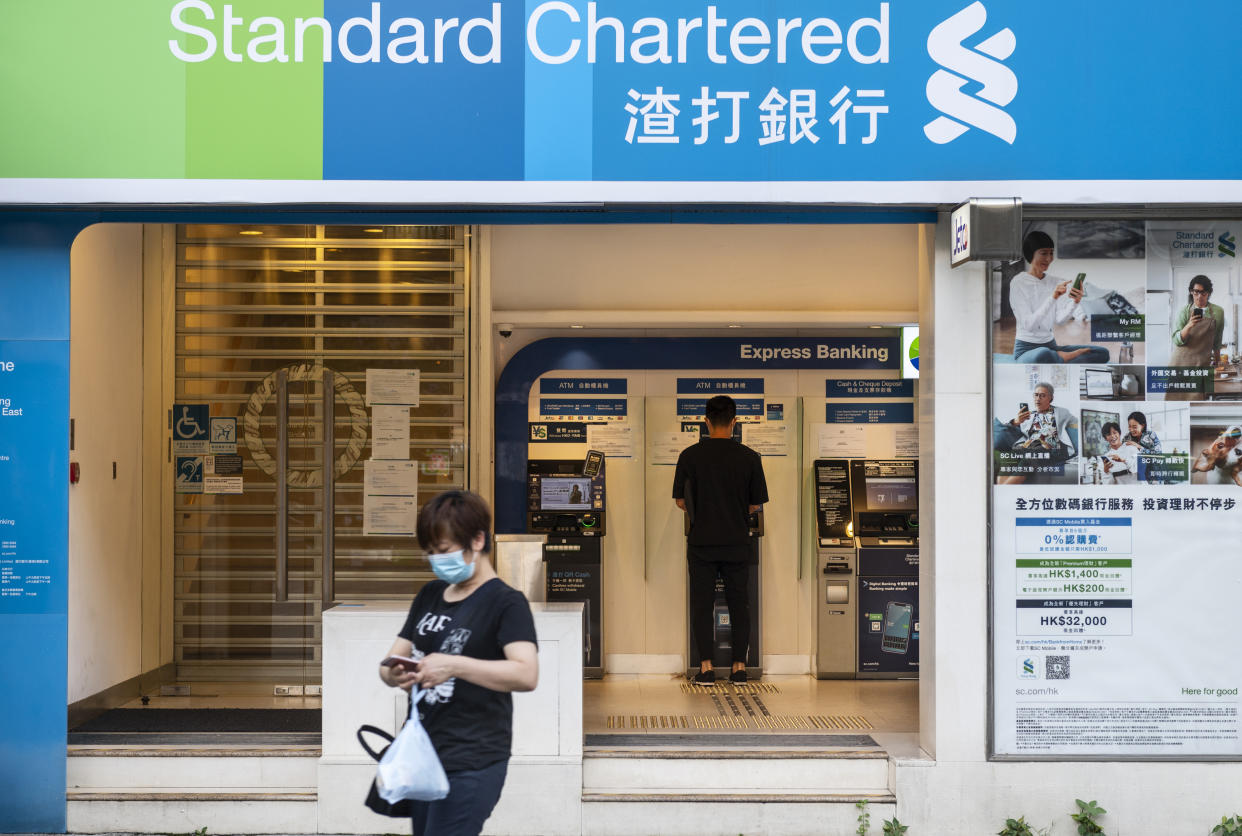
709 36
612 92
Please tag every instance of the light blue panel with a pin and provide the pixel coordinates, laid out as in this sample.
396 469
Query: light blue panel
559 101
32 723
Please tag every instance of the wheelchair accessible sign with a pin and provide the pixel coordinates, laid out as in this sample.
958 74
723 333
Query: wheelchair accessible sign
190 425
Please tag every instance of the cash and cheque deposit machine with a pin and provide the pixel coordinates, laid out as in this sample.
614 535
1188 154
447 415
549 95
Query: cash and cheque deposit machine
867 596
569 506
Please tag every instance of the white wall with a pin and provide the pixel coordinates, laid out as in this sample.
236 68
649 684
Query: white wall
105 514
687 267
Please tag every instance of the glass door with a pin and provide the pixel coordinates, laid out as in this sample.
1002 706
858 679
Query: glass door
276 328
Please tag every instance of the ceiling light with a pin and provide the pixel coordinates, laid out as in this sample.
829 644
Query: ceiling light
735 326
251 232
577 326
375 230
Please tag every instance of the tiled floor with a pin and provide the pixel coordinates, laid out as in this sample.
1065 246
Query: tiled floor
792 703
618 702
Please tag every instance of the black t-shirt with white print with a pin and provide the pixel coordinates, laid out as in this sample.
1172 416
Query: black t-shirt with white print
470 726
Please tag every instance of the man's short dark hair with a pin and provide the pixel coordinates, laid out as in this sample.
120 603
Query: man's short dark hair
1036 239
1108 428
720 411
454 517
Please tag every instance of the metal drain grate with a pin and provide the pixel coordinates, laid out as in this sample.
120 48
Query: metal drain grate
825 722
773 722
730 688
647 721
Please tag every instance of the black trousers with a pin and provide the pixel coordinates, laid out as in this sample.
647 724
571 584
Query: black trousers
473 794
705 565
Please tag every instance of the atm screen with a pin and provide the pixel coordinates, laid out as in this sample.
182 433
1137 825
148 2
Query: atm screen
892 494
565 493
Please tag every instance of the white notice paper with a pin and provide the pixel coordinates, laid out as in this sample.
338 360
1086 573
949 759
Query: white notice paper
222 484
390 497
840 441
906 444
666 447
767 439
393 386
390 478
612 441
390 432
388 515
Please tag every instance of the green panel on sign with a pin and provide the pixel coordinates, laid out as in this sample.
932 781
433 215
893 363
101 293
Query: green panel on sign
255 120
90 89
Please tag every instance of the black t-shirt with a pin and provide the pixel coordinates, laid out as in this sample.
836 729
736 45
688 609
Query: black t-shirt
470 726
722 479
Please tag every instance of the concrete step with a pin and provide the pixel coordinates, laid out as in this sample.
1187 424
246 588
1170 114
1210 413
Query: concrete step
775 772
186 812
139 769
714 814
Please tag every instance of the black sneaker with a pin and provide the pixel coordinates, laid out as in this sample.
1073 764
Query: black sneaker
738 677
705 677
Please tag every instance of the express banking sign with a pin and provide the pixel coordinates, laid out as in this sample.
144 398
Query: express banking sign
613 90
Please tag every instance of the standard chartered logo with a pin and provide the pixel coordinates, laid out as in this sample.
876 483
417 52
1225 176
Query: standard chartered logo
1227 245
962 65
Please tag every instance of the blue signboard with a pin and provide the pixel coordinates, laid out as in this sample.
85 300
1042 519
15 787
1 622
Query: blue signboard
734 90
571 406
869 388
719 385
34 438
746 407
583 386
34 512
869 413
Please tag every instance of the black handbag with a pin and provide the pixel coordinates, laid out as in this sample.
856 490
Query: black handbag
400 810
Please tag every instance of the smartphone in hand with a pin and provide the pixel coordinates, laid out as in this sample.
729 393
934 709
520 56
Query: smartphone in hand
1078 280
404 663
1197 312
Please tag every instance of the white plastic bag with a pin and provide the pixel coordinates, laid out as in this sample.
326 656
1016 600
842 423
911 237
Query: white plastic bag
410 767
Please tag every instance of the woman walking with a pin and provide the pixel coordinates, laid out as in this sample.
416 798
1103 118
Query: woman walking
473 640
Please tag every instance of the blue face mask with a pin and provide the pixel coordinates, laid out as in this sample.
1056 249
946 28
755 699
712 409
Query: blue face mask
451 567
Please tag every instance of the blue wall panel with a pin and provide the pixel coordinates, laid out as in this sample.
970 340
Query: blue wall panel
34 521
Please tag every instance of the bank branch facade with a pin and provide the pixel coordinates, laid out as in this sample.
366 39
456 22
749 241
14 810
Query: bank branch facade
275 272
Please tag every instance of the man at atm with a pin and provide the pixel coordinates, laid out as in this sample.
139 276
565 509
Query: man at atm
719 483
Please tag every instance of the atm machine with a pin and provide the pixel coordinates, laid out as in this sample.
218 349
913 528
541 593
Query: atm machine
885 500
568 506
836 608
722 646
867 581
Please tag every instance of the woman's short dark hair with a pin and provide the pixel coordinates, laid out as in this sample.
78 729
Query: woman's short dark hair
1203 281
1036 239
1108 428
454 517
1140 417
720 411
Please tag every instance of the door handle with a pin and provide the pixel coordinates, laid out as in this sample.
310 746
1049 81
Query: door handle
327 583
282 486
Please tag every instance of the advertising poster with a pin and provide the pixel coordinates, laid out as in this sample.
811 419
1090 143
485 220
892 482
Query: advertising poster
1116 422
